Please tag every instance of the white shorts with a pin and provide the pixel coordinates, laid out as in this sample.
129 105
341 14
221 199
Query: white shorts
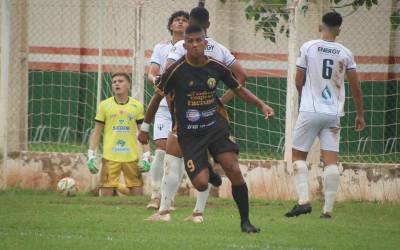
309 125
162 123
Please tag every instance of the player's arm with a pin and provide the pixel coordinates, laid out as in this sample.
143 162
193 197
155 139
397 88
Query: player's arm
95 138
154 69
145 163
154 73
169 62
162 89
300 79
240 75
176 53
352 77
301 67
143 136
94 142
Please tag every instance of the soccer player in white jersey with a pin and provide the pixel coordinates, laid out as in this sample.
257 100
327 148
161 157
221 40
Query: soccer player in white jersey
174 165
321 68
177 23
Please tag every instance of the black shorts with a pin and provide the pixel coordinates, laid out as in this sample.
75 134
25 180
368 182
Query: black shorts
194 147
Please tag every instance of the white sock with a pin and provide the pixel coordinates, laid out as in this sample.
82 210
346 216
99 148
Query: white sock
170 181
156 171
331 182
301 177
180 173
202 200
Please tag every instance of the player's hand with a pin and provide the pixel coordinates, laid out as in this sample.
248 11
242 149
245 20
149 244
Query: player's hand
145 163
268 111
360 123
143 137
90 162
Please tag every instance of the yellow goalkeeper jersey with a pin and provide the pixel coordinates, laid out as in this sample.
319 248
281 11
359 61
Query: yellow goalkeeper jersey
120 127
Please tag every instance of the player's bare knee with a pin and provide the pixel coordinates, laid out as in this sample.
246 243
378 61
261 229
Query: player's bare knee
200 184
201 187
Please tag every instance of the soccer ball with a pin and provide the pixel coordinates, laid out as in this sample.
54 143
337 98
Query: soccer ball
67 187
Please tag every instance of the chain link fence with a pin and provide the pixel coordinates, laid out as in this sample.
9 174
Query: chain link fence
64 52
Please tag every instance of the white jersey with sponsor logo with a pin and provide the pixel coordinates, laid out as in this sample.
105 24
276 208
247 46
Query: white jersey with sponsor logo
159 56
214 49
325 64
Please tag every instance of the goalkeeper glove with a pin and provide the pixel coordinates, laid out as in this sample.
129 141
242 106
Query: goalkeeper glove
144 164
90 163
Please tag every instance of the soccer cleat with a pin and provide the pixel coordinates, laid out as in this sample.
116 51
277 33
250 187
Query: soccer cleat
154 204
159 217
248 228
299 210
326 216
195 218
215 178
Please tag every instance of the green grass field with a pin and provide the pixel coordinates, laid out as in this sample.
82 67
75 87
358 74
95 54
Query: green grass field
45 220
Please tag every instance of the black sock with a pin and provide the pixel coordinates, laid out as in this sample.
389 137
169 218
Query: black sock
241 196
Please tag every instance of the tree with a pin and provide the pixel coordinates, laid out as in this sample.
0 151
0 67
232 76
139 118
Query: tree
271 16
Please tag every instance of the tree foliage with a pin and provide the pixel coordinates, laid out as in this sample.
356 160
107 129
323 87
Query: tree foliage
271 16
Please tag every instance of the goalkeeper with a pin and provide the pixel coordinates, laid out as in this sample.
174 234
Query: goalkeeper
119 116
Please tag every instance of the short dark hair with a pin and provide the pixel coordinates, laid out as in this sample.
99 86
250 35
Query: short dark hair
193 28
200 14
332 19
175 15
123 74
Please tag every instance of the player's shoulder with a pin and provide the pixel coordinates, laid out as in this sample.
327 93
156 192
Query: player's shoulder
107 104
178 46
179 43
177 64
174 67
212 42
162 44
134 102
107 101
215 63
344 48
310 43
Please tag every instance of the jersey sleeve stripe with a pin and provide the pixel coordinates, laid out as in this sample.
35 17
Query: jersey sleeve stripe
154 62
301 67
218 62
174 69
349 69
100 121
232 62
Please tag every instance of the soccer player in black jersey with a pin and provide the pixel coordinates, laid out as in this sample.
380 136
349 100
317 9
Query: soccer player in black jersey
192 83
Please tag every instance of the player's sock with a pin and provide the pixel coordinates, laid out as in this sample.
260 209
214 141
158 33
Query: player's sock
241 196
170 180
180 176
301 178
331 182
157 170
202 200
